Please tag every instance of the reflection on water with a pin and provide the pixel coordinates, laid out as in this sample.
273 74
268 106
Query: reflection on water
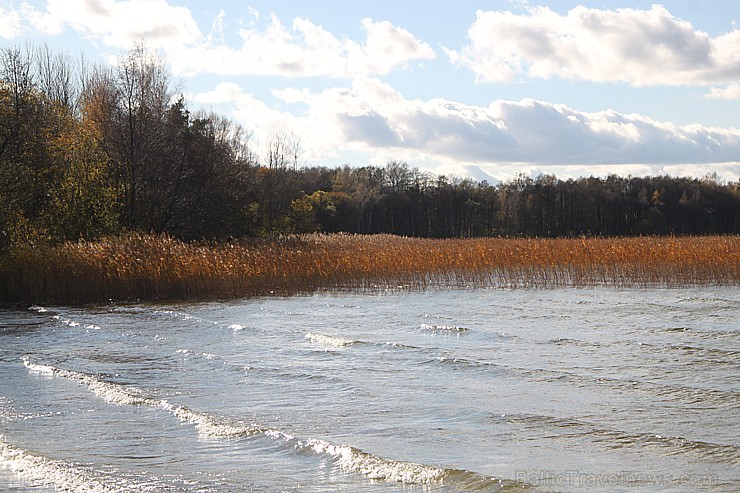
464 390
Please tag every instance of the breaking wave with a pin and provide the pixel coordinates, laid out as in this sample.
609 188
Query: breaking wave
348 458
68 476
110 392
444 329
330 341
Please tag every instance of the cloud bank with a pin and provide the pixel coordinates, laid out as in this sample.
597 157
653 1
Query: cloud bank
118 24
637 47
305 50
372 116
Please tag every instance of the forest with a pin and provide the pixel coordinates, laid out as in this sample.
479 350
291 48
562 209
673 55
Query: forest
88 152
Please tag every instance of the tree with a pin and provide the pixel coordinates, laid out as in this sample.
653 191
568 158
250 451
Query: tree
135 124
83 202
29 120
282 148
364 186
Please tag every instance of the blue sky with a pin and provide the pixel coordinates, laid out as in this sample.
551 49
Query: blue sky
485 89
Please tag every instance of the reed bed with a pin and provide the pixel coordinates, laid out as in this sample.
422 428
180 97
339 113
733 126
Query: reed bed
146 267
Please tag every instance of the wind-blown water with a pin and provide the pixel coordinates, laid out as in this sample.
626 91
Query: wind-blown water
466 390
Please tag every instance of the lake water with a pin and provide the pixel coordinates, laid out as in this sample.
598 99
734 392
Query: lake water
572 390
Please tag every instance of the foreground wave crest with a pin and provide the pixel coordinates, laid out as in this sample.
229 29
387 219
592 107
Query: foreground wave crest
348 458
67 476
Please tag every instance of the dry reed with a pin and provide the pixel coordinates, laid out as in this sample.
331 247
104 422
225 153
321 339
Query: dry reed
145 267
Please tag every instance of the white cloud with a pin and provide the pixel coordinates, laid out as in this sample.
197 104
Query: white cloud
725 171
318 141
10 24
371 117
305 50
638 47
119 24
387 47
731 92
246 108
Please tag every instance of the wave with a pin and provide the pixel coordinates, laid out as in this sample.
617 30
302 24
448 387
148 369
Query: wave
565 341
69 322
110 392
196 353
444 329
456 363
68 476
66 321
378 468
265 372
11 328
346 457
674 445
725 399
701 353
330 341
706 334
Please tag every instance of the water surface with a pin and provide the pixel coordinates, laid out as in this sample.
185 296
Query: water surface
576 390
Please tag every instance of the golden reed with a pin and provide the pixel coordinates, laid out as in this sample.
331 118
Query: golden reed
146 267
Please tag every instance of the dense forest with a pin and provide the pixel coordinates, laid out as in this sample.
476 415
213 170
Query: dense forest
89 151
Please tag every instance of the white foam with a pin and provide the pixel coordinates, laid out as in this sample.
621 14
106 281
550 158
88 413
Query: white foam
36 308
329 341
66 321
349 458
43 369
374 467
210 426
118 394
110 392
63 475
236 327
189 351
444 328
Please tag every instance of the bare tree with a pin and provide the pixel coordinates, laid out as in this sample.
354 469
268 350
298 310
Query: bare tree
56 77
230 135
282 148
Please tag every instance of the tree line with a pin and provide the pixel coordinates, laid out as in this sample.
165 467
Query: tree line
88 151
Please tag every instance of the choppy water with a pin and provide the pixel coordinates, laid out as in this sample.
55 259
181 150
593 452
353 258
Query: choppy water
469 390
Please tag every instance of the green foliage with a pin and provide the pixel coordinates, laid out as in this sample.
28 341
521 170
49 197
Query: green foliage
302 215
83 201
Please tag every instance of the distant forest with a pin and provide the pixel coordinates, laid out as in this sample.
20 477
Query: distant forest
89 151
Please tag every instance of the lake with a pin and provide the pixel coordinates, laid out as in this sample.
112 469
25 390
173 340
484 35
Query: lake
573 390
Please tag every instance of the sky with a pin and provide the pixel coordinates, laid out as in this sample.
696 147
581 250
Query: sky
479 89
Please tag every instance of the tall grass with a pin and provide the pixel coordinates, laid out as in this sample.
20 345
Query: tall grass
145 267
